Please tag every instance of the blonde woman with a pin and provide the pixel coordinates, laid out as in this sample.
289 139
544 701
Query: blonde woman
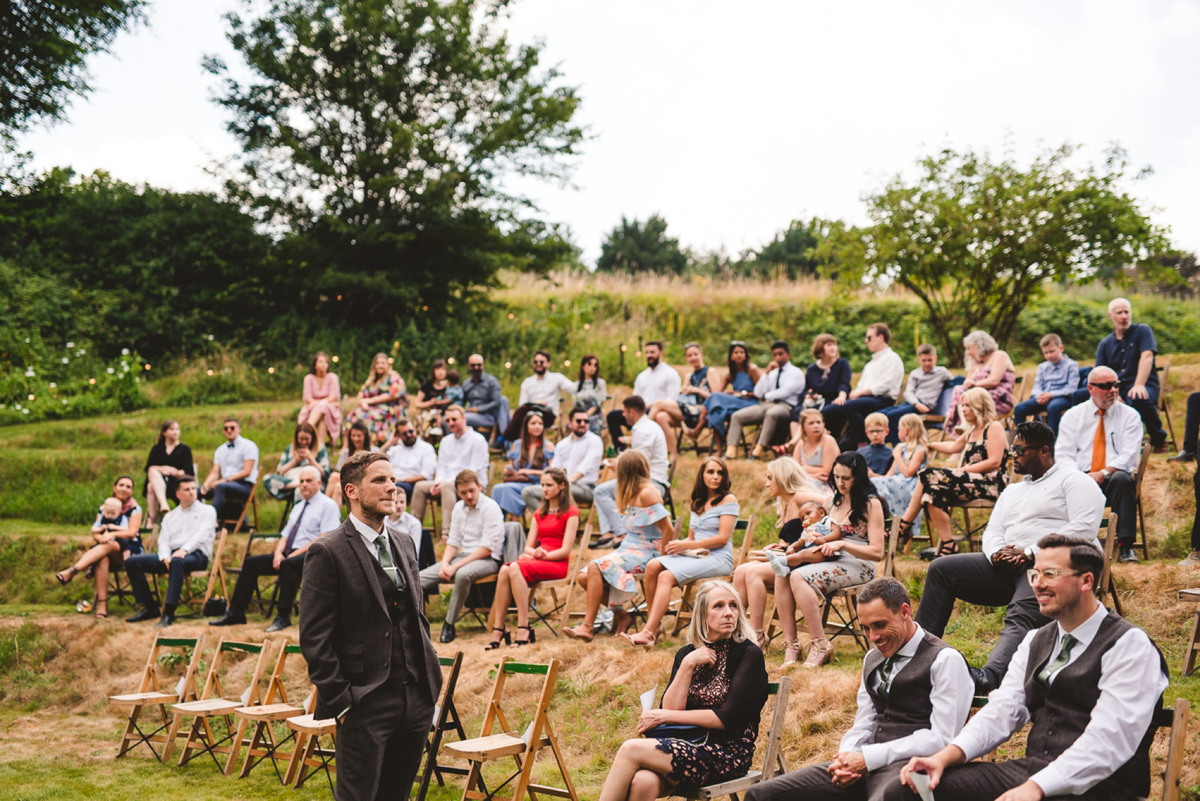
788 485
900 482
982 475
614 578
380 400
712 704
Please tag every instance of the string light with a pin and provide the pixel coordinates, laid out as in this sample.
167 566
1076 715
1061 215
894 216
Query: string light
450 360
566 362
508 365
335 359
512 316
271 371
91 381
638 354
147 367
31 397
624 348
339 297
586 326
391 360
210 372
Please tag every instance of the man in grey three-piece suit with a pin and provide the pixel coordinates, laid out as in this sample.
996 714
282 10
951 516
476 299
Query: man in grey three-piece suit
366 640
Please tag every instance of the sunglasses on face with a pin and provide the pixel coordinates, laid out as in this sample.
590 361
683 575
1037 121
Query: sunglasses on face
1105 386
231 428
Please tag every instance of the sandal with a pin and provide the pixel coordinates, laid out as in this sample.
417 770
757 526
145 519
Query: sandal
818 653
530 640
647 644
947 548
576 633
71 572
760 637
102 615
791 652
905 533
495 644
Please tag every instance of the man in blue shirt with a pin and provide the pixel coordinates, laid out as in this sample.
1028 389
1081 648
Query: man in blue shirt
1056 381
481 394
1129 350
234 470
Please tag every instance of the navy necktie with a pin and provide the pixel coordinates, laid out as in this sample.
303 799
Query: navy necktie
291 538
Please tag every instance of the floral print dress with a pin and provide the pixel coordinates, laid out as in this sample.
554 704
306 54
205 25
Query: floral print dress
948 486
643 541
380 418
897 489
844 569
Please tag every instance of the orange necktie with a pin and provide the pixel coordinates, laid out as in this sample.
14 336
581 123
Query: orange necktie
1099 456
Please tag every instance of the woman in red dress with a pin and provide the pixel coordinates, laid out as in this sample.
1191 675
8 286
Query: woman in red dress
546 557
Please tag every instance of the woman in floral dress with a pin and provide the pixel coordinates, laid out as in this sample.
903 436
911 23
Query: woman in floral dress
982 475
717 690
848 561
380 400
613 578
987 367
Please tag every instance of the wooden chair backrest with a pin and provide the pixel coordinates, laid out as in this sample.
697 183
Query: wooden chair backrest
1162 384
746 526
1108 538
1143 461
893 542
213 686
150 681
774 763
1177 719
276 689
495 710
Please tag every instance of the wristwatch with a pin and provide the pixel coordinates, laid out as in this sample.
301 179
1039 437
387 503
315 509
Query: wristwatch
1028 554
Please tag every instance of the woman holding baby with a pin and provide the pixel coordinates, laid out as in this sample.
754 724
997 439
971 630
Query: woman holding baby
114 534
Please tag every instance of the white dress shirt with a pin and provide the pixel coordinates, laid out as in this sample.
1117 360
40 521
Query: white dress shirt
1122 430
321 516
951 696
1063 501
406 526
784 384
420 459
580 455
468 452
660 383
1130 685
478 526
883 375
545 389
232 456
647 437
190 529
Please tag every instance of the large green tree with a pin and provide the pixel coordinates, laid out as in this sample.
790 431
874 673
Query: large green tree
975 239
385 137
43 48
790 250
636 247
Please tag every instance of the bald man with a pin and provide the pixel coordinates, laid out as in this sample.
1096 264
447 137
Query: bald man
481 394
1103 438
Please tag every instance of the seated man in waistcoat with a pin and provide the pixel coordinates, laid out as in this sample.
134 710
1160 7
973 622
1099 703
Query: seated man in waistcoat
915 691
1090 682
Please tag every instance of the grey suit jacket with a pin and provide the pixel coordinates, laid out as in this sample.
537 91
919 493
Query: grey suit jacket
344 623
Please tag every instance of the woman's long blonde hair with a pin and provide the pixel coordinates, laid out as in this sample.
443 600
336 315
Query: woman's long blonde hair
915 428
698 634
789 478
979 401
633 474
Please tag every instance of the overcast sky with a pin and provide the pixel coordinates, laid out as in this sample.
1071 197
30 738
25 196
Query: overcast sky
732 118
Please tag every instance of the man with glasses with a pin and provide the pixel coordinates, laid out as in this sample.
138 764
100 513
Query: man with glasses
878 387
1091 683
540 392
1053 497
481 394
778 392
1103 438
234 470
413 459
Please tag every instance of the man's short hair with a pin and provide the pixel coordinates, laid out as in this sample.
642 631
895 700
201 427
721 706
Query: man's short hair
779 344
656 343
185 480
232 420
544 353
888 590
1036 434
579 410
1085 557
309 468
636 403
1051 339
356 467
403 421
454 407
926 349
466 477
882 330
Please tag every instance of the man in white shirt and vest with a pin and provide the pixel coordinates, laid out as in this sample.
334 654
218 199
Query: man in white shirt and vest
659 381
1102 437
1053 497
463 448
316 515
914 696
778 391
579 454
184 546
878 387
1090 682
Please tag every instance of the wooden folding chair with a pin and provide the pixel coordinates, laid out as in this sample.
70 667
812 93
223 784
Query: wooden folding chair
478 603
212 704
273 709
1140 535
1108 539
264 601
1193 646
215 585
575 563
523 748
667 500
308 752
1177 719
773 763
445 719
1162 401
893 544
246 519
150 693
683 610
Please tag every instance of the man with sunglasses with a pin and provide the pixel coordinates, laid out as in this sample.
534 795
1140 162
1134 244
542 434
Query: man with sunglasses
1103 438
540 392
1053 497
234 470
1091 683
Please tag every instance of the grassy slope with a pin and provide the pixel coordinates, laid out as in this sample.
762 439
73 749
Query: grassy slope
58 734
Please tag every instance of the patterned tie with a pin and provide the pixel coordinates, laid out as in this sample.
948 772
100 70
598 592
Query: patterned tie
291 537
1059 662
1099 457
385 559
885 674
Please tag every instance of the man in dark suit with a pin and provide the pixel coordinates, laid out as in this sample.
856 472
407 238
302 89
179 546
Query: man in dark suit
366 640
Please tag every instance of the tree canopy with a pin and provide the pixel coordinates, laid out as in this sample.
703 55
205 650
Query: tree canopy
636 247
43 47
381 134
975 239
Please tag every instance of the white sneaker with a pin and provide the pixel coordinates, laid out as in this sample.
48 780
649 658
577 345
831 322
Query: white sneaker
1191 560
779 565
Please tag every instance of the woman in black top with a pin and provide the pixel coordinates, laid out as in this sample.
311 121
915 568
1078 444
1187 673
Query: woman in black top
169 461
827 378
717 690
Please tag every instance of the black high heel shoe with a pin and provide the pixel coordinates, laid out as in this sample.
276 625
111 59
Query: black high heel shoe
495 644
532 636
